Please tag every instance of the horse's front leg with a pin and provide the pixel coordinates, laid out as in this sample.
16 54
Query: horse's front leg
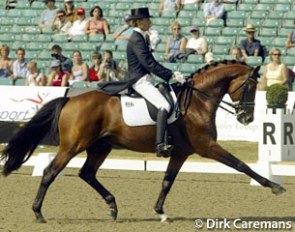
174 165
218 153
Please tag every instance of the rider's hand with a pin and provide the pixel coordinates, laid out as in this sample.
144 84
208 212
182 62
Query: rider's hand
178 76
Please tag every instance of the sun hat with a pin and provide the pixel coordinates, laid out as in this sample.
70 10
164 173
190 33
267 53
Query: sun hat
194 28
55 63
140 13
250 28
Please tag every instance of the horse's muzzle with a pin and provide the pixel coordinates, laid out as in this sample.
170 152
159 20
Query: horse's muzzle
245 118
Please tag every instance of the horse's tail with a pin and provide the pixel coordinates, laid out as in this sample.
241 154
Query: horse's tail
22 145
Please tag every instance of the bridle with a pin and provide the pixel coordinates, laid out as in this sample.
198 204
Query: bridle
238 107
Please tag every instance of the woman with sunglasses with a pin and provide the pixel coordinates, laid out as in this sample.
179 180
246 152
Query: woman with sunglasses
275 72
176 44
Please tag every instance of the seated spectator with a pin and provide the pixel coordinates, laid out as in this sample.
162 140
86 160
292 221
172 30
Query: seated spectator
80 70
169 6
71 12
94 70
236 53
66 63
108 68
47 16
57 76
61 25
214 10
196 44
78 27
97 24
20 65
209 58
275 72
175 44
251 46
5 62
291 38
122 34
35 77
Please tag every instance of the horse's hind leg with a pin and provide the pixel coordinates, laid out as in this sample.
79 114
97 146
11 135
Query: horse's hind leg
96 154
50 172
218 153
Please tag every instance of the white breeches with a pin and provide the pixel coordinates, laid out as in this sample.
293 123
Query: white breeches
145 87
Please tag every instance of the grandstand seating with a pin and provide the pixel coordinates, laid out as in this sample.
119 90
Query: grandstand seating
274 20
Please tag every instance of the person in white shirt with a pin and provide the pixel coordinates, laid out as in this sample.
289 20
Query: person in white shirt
20 65
78 27
35 77
196 44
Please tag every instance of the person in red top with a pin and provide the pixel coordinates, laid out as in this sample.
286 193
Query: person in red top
94 71
57 76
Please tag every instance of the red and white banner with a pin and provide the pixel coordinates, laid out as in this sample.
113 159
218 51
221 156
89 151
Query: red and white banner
18 103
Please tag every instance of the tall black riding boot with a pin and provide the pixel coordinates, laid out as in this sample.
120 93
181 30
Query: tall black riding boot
162 148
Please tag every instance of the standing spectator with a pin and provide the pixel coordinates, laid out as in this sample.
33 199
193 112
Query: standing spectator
291 38
71 12
20 65
97 24
275 72
169 6
109 67
5 62
80 70
61 25
122 34
35 77
251 46
214 10
78 27
175 44
196 44
57 76
94 70
47 16
66 63
236 53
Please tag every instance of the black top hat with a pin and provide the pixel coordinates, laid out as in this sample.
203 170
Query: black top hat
140 13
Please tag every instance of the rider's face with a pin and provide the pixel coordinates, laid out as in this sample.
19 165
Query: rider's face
144 24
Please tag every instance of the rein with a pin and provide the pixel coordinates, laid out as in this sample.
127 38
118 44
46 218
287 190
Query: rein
217 100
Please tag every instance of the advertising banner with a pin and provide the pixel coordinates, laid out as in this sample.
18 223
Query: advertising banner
19 104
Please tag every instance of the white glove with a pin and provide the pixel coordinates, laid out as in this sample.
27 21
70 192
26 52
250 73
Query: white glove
178 76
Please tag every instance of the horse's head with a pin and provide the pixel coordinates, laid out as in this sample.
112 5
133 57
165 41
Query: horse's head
242 91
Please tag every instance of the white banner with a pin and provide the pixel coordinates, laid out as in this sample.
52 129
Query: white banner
20 103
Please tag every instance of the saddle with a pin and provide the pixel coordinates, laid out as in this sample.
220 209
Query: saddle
138 111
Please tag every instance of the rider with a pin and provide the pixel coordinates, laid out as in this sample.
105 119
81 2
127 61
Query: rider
141 64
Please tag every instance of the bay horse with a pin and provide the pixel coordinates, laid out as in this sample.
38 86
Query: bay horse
93 122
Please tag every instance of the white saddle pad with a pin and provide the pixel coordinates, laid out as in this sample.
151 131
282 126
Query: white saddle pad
135 111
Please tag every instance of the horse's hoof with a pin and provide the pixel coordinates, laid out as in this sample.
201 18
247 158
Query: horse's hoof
165 218
278 189
41 220
114 214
